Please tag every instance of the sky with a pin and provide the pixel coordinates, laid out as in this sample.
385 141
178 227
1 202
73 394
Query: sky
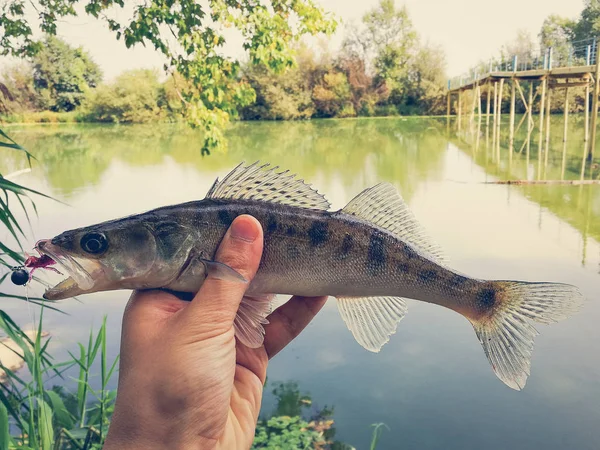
468 30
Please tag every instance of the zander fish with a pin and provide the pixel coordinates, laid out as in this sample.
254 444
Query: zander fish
370 255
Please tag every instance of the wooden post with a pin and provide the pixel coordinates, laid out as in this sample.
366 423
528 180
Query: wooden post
501 90
489 98
529 120
541 139
512 119
472 116
459 109
479 102
487 114
595 105
448 106
548 114
479 117
495 118
565 131
586 138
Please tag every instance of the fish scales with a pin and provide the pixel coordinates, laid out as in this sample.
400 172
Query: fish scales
339 253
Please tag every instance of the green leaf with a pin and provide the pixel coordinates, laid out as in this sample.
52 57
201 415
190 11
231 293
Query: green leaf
62 415
13 145
377 431
46 430
4 428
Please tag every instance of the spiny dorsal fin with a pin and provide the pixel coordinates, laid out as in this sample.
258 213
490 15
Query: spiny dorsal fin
383 206
263 183
372 320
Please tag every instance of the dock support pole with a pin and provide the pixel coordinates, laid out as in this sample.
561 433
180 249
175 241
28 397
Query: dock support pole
501 90
479 103
512 119
541 139
529 120
548 114
473 105
495 121
586 138
489 99
479 118
459 109
595 105
565 131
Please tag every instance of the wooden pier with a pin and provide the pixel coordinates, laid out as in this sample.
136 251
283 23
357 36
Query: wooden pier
543 83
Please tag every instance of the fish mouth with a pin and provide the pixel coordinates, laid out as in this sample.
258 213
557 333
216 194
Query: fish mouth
79 271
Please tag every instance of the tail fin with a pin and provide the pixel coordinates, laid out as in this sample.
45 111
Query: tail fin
507 335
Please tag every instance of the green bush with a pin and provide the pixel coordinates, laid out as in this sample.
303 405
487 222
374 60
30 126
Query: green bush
286 432
283 96
332 96
132 98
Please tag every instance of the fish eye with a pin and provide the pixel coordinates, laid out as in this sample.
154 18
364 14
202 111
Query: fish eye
94 243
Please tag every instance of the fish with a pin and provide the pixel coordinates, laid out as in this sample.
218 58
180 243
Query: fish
371 256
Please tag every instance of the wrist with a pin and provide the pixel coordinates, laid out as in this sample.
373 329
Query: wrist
153 435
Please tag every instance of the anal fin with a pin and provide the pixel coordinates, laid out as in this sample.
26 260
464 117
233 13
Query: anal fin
251 318
372 320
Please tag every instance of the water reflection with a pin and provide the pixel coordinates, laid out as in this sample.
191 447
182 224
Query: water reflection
353 151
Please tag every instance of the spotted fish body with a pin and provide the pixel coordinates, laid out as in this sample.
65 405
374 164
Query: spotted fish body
371 255
313 253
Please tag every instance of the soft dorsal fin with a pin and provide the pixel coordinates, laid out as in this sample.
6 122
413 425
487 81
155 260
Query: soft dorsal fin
383 206
263 183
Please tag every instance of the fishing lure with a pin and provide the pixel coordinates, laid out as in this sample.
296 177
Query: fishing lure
21 276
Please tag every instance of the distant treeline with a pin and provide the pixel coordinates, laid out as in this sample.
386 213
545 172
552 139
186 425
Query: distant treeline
382 68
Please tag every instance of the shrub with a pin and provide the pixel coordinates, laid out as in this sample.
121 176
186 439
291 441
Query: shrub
132 98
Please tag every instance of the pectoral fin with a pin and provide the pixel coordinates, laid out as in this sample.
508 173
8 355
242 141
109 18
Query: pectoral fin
220 271
251 318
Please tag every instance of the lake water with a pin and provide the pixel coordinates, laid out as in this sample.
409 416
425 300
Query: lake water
431 384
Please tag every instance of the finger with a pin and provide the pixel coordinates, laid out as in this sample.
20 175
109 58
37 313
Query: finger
146 310
288 321
240 249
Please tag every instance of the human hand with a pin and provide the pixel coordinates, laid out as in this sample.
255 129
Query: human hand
185 382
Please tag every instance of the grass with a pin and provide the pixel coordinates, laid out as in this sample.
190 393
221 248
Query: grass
42 117
35 416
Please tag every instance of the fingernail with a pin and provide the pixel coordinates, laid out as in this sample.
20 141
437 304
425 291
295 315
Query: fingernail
244 229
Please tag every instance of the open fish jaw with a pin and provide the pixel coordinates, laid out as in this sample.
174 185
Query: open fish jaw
78 280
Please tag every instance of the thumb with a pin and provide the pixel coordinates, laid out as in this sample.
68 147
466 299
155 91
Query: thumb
218 300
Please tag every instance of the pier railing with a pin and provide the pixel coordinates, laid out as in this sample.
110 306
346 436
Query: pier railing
573 54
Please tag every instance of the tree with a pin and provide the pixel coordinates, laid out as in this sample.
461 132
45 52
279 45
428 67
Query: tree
191 36
430 86
284 96
20 92
62 74
588 24
522 46
558 32
390 41
332 96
